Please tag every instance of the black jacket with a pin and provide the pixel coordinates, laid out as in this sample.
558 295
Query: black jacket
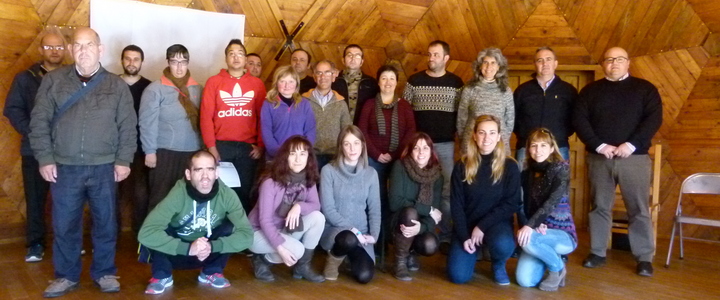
368 90
551 109
20 102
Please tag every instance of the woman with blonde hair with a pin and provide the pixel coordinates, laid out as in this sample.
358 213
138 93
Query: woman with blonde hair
285 113
488 93
484 196
550 230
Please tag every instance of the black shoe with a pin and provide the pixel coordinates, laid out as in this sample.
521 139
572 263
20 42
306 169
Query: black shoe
564 258
444 248
593 261
644 268
517 252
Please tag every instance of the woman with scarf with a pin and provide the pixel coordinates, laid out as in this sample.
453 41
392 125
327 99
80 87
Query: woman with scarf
550 230
351 204
485 194
286 220
168 120
285 113
415 190
387 122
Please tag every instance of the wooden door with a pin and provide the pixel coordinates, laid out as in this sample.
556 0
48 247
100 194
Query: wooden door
578 171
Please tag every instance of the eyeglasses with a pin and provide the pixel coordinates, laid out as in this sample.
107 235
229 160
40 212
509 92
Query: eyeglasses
354 55
176 63
58 48
619 60
321 73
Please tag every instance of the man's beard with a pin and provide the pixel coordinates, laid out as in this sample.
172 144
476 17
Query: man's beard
127 72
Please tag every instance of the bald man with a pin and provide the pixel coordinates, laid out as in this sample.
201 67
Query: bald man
18 106
616 117
84 138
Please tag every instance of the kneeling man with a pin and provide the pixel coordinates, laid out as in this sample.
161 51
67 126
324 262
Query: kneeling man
198 225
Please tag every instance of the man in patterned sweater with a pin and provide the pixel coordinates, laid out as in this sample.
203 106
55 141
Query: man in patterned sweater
434 95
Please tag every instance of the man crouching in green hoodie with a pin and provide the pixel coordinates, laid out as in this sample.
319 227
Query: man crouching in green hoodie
198 224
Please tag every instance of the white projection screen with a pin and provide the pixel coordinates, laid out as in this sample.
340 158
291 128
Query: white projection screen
155 27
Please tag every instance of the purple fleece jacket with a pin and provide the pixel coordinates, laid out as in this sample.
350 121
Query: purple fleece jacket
281 122
264 217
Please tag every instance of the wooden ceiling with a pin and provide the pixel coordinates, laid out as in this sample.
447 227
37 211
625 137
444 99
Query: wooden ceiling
673 43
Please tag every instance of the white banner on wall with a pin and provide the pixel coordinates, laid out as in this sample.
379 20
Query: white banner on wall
154 28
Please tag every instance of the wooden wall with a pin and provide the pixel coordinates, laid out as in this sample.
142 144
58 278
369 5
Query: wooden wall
673 43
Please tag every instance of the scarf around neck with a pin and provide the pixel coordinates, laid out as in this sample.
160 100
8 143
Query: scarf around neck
425 177
184 97
353 81
294 193
200 197
394 120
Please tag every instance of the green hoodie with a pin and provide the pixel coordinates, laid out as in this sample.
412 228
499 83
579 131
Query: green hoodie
177 211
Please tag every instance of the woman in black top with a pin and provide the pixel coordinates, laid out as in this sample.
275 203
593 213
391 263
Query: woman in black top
484 196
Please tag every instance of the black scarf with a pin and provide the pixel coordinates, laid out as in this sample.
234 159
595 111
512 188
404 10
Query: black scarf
198 196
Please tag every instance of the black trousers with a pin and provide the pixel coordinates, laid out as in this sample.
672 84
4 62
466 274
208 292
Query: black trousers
169 168
36 191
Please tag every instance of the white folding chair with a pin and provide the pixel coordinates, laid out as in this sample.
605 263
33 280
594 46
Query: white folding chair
698 183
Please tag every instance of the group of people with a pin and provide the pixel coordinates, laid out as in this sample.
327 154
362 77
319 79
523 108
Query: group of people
348 163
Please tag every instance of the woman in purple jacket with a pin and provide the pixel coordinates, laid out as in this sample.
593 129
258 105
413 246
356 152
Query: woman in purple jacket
285 113
286 220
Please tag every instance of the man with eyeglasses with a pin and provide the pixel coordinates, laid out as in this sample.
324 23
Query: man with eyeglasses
83 134
136 186
169 126
434 95
230 118
545 101
353 84
300 60
616 117
18 106
331 112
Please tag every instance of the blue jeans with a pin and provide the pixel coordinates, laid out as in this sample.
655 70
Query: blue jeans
460 264
446 155
543 251
520 155
163 263
74 185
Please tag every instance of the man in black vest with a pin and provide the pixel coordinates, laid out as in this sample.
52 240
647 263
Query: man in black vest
355 86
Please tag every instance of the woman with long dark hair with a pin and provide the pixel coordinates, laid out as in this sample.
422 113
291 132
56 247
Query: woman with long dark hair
286 219
415 190
550 230
351 204
485 194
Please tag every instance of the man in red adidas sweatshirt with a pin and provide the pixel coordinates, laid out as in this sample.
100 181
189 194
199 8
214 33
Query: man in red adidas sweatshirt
230 118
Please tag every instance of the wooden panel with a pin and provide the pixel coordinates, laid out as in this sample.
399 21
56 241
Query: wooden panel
474 25
347 22
641 27
401 16
709 12
546 26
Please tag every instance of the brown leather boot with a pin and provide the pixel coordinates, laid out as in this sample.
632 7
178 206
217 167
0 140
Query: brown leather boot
402 251
331 266
553 281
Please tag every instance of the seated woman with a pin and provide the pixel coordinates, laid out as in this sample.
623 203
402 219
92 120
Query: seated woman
485 194
415 190
285 113
550 231
286 220
351 203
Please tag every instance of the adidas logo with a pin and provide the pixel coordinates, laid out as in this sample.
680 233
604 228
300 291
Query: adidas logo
237 98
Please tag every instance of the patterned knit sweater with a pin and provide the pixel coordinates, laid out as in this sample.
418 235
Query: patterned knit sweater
434 101
545 197
483 98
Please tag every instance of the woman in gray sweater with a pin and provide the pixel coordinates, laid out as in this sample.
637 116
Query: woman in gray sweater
488 93
350 201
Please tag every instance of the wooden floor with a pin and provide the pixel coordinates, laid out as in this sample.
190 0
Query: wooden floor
695 277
